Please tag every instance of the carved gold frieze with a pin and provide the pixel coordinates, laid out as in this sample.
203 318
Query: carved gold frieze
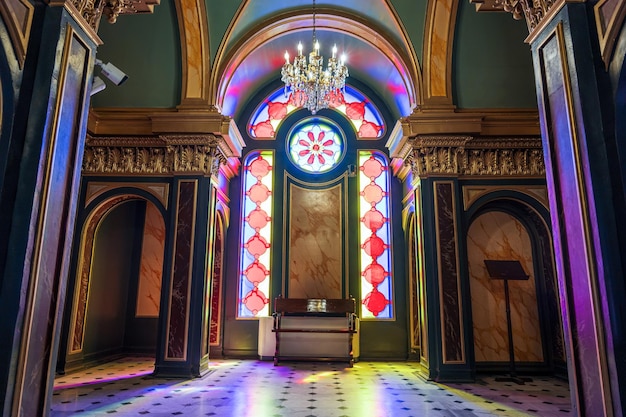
464 155
93 10
164 155
536 12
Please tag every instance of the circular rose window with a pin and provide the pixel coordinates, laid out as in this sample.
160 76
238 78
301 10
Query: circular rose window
315 145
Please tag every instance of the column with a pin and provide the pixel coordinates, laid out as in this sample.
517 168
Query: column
38 201
582 172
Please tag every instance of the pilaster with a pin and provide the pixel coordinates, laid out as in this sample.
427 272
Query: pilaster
38 201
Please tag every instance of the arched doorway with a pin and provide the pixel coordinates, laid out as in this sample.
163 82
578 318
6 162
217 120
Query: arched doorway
113 302
510 230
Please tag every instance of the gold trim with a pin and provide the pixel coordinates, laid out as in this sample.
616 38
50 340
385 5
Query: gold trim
471 193
233 52
34 272
412 275
341 182
219 224
464 155
97 188
19 32
439 27
541 15
169 301
439 277
421 270
608 33
195 53
163 156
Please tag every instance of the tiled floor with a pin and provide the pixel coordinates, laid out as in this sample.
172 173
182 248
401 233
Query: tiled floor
250 388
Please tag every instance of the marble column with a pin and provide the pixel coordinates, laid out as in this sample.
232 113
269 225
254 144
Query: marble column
180 351
447 333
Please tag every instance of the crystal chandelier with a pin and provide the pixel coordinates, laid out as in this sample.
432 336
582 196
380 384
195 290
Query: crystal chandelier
311 85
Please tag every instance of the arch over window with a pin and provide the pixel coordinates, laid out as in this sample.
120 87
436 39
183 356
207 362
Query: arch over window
367 121
375 236
256 237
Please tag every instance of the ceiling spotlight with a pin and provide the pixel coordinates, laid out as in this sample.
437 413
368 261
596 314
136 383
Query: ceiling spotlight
113 73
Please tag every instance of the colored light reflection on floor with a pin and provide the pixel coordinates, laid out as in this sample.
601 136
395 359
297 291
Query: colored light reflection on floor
248 388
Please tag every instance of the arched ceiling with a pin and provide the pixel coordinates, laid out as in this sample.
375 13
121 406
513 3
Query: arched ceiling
379 53
206 58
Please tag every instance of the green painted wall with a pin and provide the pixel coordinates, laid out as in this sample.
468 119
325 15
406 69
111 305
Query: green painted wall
413 17
492 66
147 48
220 14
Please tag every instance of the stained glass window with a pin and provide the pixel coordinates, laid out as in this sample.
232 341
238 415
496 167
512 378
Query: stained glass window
375 234
315 145
256 235
364 116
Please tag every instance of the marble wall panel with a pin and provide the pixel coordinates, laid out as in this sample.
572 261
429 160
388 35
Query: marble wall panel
181 272
315 242
151 268
216 290
453 343
500 236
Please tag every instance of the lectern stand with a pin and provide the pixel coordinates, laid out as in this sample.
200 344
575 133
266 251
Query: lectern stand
508 271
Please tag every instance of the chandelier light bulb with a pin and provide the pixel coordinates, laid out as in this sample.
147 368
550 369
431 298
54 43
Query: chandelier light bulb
311 85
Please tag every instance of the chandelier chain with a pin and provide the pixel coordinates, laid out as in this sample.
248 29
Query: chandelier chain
311 85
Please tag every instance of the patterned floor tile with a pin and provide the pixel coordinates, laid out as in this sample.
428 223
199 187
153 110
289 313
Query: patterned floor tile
258 389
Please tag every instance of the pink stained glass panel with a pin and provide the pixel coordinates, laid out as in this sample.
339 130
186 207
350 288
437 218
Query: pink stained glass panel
256 235
364 116
376 285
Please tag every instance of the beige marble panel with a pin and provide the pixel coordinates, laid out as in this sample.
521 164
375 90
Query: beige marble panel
439 48
499 236
150 274
195 54
315 242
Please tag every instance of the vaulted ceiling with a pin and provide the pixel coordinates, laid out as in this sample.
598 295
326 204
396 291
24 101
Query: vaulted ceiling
426 54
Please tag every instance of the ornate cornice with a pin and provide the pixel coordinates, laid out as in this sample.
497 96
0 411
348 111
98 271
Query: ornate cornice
467 156
163 155
536 12
93 10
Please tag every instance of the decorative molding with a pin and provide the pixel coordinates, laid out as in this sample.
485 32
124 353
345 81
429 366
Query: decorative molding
163 155
159 190
471 193
195 53
536 12
464 155
18 16
488 5
154 122
609 15
438 48
491 125
92 10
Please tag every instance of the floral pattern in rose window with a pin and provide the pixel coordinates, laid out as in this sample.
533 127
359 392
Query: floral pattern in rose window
376 283
316 146
364 116
256 236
